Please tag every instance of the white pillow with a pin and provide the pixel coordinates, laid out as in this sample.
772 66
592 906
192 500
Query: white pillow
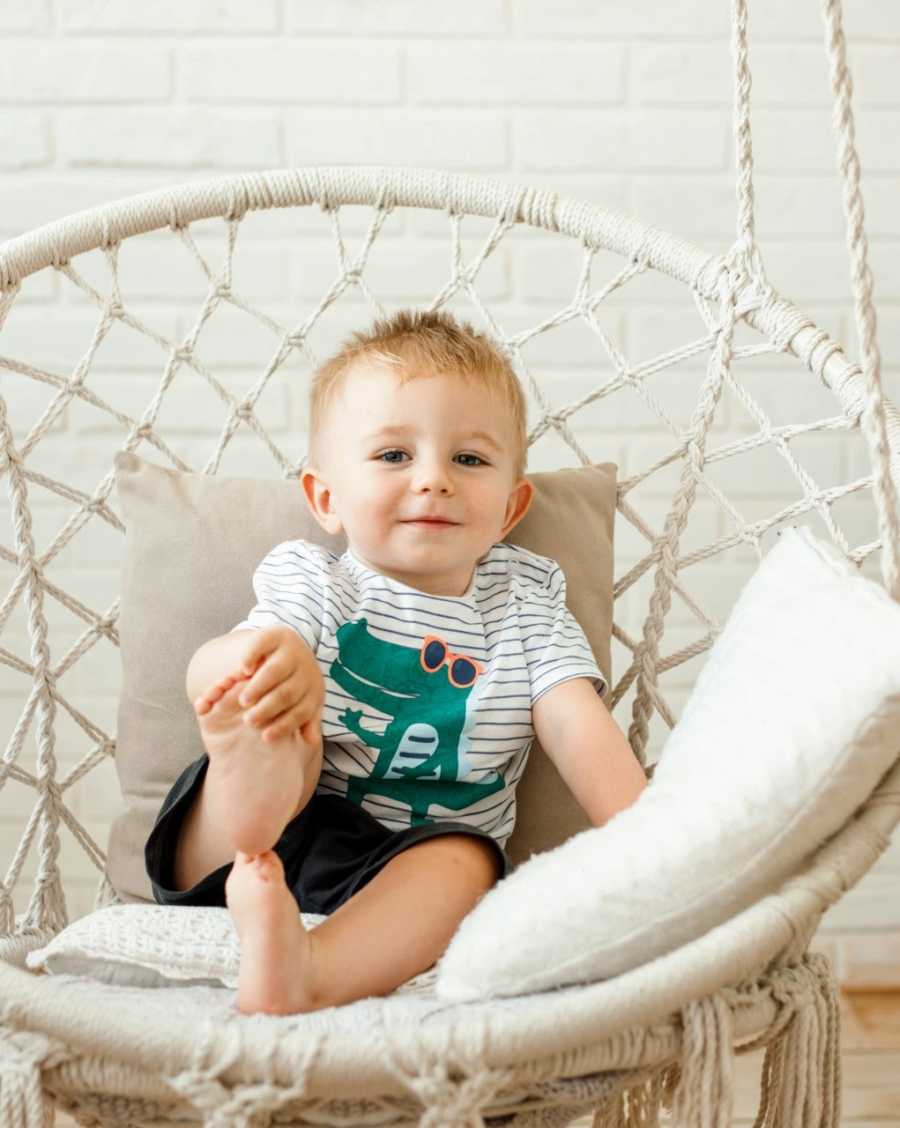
162 946
149 946
792 722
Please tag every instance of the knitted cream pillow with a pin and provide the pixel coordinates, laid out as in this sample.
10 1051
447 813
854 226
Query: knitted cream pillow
148 946
792 722
192 542
160 946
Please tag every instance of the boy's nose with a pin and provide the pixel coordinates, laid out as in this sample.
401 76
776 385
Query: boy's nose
433 478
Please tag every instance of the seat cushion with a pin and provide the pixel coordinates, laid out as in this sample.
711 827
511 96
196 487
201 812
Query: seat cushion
793 720
192 543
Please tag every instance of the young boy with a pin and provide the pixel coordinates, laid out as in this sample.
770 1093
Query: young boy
428 656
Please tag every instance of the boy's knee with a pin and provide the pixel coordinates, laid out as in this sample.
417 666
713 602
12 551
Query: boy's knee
476 854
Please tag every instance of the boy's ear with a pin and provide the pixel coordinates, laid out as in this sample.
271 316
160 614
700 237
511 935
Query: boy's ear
518 505
318 497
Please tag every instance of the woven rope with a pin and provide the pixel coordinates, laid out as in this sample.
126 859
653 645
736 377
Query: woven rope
228 1102
46 909
437 1089
742 269
872 407
873 418
23 1054
800 1074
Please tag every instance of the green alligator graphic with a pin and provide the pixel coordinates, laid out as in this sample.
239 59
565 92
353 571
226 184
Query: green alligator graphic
419 756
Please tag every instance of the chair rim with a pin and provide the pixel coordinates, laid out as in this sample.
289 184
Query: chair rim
576 1017
233 195
762 943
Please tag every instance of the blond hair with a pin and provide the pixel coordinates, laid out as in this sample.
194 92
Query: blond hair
419 342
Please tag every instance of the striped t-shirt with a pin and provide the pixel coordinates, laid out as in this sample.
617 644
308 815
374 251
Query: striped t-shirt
428 698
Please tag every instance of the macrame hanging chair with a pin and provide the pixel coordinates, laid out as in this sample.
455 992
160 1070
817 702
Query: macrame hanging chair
661 1035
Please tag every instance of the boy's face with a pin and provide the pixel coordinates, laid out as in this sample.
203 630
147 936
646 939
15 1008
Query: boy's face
375 485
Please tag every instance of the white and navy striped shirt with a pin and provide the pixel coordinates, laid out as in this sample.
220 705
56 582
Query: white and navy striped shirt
401 738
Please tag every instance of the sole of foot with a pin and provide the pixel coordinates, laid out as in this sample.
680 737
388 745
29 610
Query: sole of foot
255 785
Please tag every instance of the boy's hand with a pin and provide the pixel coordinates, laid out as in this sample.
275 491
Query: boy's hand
286 690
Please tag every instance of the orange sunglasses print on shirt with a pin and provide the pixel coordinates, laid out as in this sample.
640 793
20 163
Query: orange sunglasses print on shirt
462 670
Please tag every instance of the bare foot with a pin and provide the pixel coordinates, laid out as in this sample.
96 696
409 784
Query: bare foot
254 785
275 975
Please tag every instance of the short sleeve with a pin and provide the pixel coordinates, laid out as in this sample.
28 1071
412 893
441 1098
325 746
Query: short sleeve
556 648
290 584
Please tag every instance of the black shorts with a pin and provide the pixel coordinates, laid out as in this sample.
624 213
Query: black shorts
329 850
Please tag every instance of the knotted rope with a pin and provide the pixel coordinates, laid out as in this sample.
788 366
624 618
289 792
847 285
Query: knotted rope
240 1105
22 1100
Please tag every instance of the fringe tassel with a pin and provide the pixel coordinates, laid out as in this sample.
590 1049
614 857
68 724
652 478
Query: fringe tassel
238 1106
705 1094
640 1106
801 1074
22 1100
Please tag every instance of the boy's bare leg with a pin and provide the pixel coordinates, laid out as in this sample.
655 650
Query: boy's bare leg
396 926
251 790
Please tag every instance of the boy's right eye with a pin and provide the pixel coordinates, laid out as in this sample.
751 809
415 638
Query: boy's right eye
384 454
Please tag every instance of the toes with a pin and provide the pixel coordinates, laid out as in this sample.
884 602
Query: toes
265 864
269 866
230 698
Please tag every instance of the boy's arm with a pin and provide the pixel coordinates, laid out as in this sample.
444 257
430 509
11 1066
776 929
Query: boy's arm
589 749
213 661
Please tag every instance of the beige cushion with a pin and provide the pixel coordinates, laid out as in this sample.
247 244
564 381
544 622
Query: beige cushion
192 544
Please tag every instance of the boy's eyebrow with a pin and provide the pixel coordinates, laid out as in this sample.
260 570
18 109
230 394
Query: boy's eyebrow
398 429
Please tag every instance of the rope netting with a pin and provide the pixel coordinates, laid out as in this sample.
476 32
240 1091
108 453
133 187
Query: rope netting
659 388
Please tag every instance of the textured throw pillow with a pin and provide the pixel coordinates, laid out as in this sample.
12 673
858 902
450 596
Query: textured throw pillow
793 721
148 946
192 543
160 946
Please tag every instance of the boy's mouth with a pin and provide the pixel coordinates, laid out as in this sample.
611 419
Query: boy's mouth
429 521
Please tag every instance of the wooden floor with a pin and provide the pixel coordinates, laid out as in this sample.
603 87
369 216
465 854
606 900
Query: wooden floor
870 1066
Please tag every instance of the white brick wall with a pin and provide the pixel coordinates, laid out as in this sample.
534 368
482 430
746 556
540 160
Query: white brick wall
624 105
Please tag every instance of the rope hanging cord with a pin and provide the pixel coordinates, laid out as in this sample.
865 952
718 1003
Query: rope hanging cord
746 250
742 267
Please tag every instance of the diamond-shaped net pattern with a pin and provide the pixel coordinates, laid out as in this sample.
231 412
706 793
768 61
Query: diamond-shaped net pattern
151 343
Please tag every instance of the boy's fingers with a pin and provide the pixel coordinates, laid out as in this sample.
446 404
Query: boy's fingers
311 731
290 721
273 707
254 656
258 686
255 693
266 683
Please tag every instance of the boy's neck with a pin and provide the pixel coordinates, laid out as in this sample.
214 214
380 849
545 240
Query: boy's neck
452 586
